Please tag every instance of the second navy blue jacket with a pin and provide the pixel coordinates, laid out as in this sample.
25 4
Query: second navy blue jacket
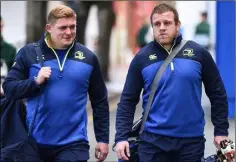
176 110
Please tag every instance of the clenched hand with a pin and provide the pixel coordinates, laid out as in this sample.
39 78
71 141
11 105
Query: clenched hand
122 150
101 151
44 74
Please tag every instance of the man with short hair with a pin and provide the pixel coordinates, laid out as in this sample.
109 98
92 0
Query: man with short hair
70 72
8 53
202 32
174 130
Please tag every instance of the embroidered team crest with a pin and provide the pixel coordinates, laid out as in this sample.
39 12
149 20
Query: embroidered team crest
152 57
79 55
188 52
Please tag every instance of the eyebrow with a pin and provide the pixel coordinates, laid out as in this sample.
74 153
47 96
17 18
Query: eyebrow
163 21
63 26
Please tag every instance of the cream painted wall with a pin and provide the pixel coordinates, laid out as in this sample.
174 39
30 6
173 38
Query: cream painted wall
14 17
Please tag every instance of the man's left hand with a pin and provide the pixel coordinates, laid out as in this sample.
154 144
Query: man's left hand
101 151
218 139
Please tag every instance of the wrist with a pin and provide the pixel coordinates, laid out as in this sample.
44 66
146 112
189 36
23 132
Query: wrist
36 82
105 142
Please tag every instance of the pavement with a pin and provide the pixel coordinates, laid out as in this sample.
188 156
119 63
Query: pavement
115 87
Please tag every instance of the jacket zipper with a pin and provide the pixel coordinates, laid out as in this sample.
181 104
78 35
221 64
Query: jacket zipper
172 66
171 63
58 60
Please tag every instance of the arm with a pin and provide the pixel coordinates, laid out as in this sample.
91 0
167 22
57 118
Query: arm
17 85
215 90
98 96
129 99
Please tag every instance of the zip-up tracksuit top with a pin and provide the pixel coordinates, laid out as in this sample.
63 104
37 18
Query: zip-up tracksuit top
62 116
176 110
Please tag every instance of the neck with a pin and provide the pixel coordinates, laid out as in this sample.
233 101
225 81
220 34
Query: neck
54 45
167 47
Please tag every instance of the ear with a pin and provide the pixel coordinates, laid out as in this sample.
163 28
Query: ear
48 28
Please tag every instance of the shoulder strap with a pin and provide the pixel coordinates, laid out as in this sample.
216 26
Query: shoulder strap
40 56
157 79
39 53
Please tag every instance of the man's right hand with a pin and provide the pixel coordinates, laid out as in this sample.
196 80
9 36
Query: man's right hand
43 75
122 150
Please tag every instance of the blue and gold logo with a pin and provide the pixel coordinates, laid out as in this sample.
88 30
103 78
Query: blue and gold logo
79 55
188 52
152 57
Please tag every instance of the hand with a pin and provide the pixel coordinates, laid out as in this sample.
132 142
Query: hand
43 75
218 139
122 150
101 151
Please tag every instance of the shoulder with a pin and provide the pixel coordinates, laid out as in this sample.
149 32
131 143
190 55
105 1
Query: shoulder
29 48
87 56
84 49
142 58
201 54
199 49
26 51
144 51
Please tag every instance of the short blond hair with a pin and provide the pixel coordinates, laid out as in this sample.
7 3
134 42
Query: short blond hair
164 7
60 11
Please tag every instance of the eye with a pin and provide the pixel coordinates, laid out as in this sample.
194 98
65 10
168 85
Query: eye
72 27
62 27
167 23
157 24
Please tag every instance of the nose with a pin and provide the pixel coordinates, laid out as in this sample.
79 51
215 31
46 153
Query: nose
162 26
68 31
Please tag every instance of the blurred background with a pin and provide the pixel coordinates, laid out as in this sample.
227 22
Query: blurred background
115 30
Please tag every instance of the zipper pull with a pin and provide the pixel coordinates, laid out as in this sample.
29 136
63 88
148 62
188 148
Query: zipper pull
172 66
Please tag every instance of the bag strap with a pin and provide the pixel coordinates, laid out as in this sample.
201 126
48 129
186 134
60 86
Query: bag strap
39 53
41 62
157 79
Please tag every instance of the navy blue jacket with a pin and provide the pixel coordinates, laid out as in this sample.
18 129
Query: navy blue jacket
176 110
62 116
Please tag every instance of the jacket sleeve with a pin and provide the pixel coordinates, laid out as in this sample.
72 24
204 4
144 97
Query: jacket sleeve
17 85
129 99
98 97
216 92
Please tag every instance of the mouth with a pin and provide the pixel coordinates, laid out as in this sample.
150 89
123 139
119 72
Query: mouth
163 34
67 39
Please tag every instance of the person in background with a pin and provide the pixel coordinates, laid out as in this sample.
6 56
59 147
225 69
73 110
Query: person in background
70 72
141 38
202 32
174 130
8 53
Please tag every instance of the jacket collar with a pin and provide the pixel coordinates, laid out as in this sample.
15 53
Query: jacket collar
44 47
174 42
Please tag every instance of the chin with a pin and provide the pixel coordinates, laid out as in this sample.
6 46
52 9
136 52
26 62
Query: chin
164 42
67 43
